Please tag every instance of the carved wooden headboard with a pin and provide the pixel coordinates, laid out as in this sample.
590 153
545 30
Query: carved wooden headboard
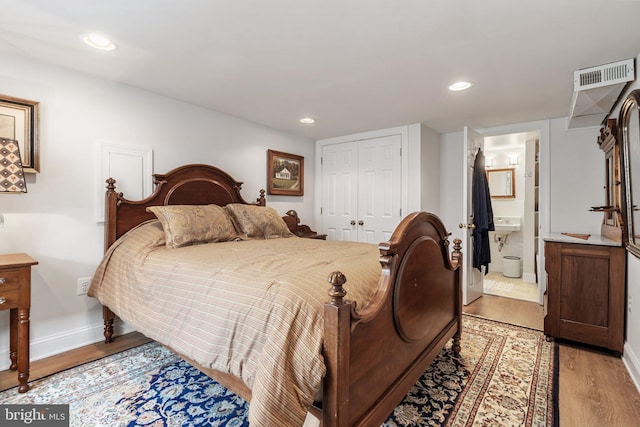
195 184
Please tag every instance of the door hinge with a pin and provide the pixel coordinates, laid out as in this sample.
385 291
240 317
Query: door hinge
321 161
320 211
400 212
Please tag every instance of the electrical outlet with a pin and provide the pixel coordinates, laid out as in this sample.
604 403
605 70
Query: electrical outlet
83 285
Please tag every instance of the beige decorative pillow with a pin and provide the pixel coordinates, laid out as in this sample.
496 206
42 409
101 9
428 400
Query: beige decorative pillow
192 224
257 222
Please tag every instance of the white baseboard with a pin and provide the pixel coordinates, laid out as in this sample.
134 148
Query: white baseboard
59 343
631 361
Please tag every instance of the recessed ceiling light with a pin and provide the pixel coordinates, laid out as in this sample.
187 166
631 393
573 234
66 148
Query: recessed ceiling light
460 86
307 120
98 41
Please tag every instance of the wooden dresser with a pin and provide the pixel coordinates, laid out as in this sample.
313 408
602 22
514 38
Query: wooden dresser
585 298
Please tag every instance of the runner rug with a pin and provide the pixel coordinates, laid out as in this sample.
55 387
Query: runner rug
506 375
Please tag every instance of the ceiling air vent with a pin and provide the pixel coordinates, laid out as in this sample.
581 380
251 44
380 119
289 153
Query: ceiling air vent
596 90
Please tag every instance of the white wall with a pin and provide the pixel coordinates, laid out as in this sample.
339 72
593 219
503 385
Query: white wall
452 159
429 166
577 177
55 221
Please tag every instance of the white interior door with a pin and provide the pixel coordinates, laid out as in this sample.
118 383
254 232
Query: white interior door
379 188
362 189
472 278
339 191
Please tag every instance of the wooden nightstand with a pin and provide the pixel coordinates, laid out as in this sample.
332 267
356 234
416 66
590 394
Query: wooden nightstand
15 295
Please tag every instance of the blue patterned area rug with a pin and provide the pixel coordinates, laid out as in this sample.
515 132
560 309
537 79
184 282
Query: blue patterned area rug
506 375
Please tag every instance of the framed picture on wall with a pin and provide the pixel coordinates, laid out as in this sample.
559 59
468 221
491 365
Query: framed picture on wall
285 174
20 121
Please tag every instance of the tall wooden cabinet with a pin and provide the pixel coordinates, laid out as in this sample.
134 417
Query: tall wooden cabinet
586 280
585 299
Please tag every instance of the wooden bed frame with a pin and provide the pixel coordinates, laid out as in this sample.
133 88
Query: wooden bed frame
373 354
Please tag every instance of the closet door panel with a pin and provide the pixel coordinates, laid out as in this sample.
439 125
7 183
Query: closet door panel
361 189
379 188
339 191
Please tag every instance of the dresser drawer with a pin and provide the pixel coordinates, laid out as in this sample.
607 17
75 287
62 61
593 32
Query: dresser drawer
9 299
9 279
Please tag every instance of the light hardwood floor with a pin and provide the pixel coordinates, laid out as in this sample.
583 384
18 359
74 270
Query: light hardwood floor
60 362
512 287
595 388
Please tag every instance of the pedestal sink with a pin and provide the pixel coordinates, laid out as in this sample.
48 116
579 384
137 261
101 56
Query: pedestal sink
505 225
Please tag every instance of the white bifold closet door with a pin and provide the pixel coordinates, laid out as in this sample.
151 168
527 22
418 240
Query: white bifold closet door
361 189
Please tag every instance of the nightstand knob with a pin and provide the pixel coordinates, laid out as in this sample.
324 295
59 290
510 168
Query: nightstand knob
3 300
2 280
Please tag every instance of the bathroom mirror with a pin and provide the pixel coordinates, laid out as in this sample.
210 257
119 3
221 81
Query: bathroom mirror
502 183
629 131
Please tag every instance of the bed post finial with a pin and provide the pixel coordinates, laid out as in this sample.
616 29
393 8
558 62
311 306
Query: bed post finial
261 201
337 292
111 185
456 256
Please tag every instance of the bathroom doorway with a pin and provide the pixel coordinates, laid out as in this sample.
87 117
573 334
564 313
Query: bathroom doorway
514 267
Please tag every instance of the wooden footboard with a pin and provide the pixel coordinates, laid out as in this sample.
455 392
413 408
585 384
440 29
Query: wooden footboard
374 354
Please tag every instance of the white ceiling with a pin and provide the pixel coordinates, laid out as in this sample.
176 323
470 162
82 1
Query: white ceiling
354 65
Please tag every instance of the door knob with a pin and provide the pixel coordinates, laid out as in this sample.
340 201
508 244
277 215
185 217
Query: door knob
361 222
353 222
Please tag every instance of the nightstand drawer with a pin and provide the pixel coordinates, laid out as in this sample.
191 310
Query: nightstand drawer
9 279
8 299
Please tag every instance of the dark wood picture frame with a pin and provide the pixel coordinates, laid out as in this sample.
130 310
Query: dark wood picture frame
20 121
285 174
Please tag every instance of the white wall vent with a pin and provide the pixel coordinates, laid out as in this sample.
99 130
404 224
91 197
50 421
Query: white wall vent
596 89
